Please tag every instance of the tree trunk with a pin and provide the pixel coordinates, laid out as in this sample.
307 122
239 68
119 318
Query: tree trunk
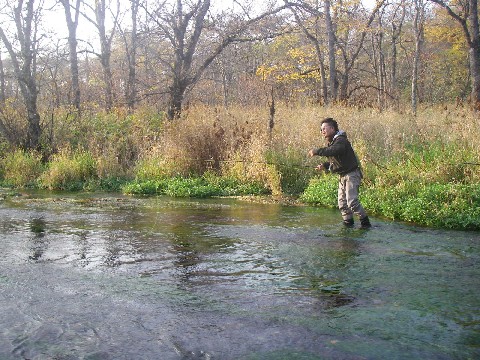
24 65
176 94
2 82
393 64
474 53
72 44
34 130
323 75
105 52
331 52
379 63
131 89
344 82
418 30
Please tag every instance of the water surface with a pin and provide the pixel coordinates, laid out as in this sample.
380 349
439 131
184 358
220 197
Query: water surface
112 277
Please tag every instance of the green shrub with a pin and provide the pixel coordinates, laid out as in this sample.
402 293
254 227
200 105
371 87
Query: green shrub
69 171
147 187
447 205
156 167
21 169
235 187
293 174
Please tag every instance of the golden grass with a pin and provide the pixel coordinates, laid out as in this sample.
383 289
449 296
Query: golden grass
238 140
299 127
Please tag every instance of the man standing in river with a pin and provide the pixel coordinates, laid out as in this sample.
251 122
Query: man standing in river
343 161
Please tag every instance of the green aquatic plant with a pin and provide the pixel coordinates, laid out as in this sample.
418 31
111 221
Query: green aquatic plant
322 190
205 186
445 205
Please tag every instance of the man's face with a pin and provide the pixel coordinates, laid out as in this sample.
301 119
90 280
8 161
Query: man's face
328 131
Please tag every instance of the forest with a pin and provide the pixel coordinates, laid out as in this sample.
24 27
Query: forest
200 98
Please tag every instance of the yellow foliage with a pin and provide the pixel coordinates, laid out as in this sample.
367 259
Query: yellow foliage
290 62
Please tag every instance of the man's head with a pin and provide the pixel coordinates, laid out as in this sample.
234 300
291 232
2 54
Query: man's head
329 128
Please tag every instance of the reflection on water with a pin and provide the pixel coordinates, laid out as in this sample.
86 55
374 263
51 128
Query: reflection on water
85 277
37 227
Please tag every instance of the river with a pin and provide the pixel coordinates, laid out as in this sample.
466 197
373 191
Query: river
105 276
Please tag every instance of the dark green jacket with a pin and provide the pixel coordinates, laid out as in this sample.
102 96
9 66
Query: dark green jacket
342 158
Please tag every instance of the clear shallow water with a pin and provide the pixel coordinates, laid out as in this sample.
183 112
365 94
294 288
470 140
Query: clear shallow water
105 277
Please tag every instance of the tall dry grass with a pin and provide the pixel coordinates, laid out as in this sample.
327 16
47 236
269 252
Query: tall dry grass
438 144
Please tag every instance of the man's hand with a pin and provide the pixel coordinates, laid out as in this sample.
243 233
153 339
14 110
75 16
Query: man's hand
310 153
320 167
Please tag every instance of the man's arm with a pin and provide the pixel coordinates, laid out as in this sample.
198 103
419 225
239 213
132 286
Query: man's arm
337 148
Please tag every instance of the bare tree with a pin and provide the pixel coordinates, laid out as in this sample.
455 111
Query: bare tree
130 38
131 89
418 23
26 17
339 78
332 67
396 31
183 27
379 59
100 9
175 27
466 13
72 24
350 51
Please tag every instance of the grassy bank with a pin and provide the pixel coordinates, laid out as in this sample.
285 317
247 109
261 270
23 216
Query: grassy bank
423 169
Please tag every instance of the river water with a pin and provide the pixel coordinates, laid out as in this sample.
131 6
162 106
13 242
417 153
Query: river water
112 277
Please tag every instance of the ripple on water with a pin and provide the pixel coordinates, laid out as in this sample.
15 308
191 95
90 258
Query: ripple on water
125 278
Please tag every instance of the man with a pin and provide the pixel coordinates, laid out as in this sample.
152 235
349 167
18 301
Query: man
343 161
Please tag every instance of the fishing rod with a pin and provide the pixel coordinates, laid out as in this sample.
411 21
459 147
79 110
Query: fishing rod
300 165
262 163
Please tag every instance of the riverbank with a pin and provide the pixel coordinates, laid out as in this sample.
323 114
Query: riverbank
423 169
448 206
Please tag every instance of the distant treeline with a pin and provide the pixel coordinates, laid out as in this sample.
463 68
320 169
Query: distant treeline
167 56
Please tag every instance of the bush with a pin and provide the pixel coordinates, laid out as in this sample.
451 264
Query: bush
294 176
447 205
69 171
156 167
21 169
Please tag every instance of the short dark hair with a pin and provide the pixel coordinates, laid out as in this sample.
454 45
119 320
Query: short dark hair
330 122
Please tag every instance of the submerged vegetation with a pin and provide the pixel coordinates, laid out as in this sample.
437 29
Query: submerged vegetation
424 169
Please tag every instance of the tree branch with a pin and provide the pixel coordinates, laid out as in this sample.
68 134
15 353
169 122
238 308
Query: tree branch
453 14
